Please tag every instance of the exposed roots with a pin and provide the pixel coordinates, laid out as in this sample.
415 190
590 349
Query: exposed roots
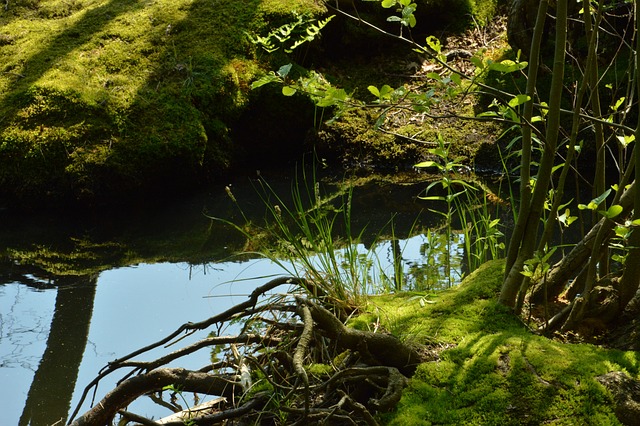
291 361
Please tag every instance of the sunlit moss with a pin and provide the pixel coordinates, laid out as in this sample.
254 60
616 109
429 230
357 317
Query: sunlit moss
320 370
156 85
497 372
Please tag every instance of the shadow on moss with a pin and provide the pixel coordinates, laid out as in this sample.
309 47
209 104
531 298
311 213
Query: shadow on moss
493 370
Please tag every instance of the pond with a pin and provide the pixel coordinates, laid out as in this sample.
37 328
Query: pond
78 291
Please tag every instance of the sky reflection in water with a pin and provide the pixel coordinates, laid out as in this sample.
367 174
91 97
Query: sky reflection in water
135 306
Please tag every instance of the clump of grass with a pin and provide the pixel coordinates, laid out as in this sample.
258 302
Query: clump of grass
310 236
493 370
468 208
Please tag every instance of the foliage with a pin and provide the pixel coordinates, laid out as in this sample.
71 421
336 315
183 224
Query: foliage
464 208
302 30
547 148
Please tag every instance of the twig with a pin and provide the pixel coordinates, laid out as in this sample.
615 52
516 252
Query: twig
244 339
301 350
189 327
255 403
137 418
129 390
360 409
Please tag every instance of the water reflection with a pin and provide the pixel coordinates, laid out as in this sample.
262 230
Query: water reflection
132 280
113 313
49 398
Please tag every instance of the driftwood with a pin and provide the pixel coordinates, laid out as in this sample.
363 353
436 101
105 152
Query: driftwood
293 359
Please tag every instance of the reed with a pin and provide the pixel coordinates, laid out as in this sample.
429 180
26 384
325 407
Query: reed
309 235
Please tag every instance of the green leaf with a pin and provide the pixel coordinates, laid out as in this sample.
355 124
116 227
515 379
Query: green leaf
507 66
519 100
284 70
626 140
427 164
269 78
583 207
622 231
385 91
434 44
544 108
374 90
388 3
556 168
593 204
288 91
619 258
433 198
488 114
599 199
613 211
412 20
477 62
618 103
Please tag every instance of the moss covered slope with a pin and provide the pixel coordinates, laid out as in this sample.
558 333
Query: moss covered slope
99 96
495 371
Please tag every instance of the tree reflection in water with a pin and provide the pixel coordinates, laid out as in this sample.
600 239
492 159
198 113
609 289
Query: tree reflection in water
50 394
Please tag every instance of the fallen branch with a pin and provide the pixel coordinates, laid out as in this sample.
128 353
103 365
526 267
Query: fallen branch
273 354
381 349
127 391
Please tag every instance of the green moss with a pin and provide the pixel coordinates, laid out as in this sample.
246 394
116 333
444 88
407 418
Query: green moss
355 141
497 371
106 95
320 370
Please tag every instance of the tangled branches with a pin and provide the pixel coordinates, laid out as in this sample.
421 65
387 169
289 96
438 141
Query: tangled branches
292 361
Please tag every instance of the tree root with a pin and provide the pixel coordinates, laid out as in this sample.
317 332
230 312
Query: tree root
292 362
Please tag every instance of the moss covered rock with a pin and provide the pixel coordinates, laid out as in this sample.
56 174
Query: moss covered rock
108 97
100 98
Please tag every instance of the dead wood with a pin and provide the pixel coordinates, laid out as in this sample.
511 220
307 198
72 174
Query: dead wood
265 373
130 389
377 348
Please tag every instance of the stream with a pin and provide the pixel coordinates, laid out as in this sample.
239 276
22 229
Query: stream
79 290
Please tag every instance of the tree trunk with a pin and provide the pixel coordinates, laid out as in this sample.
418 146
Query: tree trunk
521 24
513 282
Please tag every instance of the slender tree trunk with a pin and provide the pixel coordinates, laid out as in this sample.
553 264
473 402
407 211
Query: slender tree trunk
592 76
630 280
525 161
512 284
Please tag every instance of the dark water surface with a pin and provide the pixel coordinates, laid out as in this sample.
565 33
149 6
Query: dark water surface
78 292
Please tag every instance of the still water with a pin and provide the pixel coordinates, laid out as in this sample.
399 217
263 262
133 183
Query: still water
138 276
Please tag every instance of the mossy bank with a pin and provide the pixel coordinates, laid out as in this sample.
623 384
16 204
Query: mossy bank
105 98
490 368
